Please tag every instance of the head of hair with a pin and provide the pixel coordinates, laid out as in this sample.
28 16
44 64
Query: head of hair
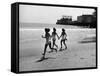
47 29
54 29
63 29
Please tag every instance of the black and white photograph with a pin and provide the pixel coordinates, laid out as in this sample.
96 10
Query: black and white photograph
54 37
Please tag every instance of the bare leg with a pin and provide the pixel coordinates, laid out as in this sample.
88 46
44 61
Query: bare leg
45 50
65 44
54 44
52 48
61 43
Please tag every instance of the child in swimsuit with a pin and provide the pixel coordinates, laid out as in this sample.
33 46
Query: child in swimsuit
48 41
63 38
54 34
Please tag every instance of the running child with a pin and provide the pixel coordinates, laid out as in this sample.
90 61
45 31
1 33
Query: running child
48 41
54 35
63 38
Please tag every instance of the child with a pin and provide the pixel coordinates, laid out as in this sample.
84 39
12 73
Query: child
63 39
48 41
54 34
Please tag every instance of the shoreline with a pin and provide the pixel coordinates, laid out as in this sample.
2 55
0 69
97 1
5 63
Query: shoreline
57 29
43 25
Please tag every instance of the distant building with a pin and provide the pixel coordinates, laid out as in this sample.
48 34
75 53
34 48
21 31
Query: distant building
85 19
64 20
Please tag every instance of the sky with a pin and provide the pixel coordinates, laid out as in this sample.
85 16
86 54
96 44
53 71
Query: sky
48 14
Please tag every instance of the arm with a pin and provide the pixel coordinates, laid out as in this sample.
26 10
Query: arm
43 36
60 36
66 34
57 36
51 36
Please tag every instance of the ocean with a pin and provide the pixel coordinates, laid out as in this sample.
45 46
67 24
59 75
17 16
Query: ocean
43 25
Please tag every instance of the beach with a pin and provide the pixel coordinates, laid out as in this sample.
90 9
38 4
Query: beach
81 50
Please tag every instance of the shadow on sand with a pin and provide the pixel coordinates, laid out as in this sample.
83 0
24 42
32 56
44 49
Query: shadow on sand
88 40
40 60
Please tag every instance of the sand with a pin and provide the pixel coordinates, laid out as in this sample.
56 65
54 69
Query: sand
81 50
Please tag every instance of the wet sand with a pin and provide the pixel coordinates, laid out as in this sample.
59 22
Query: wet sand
81 50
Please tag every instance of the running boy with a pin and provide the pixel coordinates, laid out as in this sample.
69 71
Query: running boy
63 38
48 41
